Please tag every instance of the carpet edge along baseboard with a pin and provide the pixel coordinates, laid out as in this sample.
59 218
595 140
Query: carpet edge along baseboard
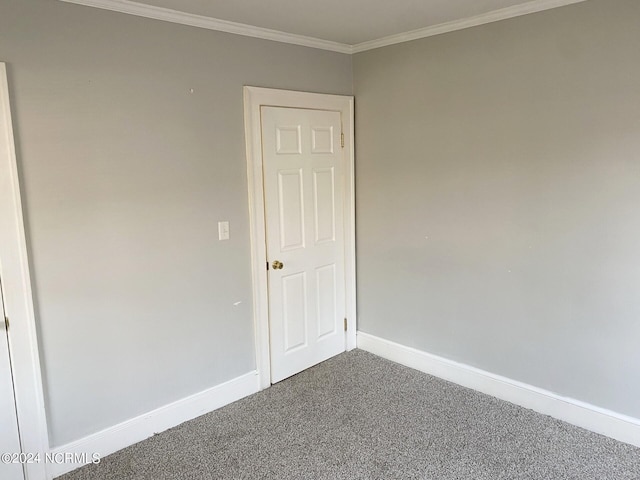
596 419
122 435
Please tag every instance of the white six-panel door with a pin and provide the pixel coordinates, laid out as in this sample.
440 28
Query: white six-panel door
9 439
304 194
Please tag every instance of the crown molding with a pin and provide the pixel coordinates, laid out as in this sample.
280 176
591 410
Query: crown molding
209 23
489 17
201 21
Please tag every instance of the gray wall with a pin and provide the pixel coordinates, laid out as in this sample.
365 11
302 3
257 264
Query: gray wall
498 180
125 176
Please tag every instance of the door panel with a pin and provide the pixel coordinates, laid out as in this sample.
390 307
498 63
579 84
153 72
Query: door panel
323 203
294 299
326 294
303 171
9 438
291 209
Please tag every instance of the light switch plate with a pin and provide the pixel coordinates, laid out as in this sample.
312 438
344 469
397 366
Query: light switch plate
223 230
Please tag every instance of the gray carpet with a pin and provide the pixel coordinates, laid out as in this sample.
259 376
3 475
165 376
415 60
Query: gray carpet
358 416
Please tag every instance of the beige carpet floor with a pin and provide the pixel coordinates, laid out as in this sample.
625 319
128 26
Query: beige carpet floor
358 416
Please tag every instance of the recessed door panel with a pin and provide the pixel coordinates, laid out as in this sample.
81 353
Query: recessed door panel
291 209
322 139
294 300
326 294
288 140
324 205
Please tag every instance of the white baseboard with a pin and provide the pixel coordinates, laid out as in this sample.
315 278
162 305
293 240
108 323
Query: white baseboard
144 426
599 420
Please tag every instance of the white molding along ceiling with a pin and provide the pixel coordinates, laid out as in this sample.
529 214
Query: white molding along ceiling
460 24
209 23
150 9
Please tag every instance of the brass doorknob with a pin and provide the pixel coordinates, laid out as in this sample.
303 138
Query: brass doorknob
277 265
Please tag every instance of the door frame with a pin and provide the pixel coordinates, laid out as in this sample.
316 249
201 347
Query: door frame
254 98
14 267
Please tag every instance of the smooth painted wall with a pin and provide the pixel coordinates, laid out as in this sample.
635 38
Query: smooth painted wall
498 198
125 174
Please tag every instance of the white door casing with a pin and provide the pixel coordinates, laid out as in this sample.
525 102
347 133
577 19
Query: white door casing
254 99
9 436
304 209
18 303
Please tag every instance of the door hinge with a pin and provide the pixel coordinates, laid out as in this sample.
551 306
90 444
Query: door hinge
342 140
6 323
345 324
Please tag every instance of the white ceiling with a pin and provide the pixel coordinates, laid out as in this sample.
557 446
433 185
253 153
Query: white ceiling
342 25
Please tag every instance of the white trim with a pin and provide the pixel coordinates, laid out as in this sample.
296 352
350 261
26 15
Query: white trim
14 268
482 19
254 97
144 426
210 23
597 419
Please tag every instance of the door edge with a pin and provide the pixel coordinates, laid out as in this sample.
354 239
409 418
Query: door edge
24 351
